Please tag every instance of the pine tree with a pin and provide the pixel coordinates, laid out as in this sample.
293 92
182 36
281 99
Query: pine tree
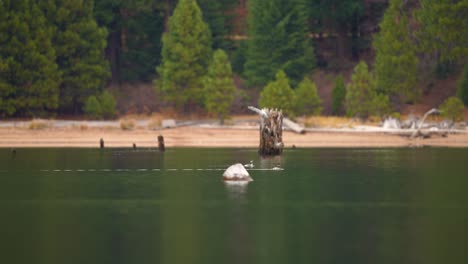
29 76
108 104
278 41
362 99
92 107
338 95
219 86
307 99
79 44
396 62
186 53
134 36
141 51
278 94
343 17
452 108
462 91
216 15
444 28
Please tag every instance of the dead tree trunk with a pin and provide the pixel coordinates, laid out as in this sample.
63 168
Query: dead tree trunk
271 131
418 132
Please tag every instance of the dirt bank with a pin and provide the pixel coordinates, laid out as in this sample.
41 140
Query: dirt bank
209 137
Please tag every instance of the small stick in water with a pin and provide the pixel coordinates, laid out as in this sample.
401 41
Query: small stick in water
161 146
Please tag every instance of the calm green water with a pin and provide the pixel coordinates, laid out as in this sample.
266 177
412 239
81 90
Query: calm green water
326 206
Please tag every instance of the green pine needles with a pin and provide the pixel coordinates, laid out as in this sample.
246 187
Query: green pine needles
219 86
79 44
338 95
51 56
278 94
186 54
443 28
100 106
29 75
462 91
362 99
308 101
278 40
396 64
92 107
452 108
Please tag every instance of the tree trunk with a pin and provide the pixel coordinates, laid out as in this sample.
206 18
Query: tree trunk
271 131
355 46
341 42
113 53
167 15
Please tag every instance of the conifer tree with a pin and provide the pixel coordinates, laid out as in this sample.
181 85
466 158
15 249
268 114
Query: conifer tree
134 36
338 95
277 41
396 62
444 28
462 91
343 17
92 107
141 52
452 108
219 86
108 104
79 44
278 94
216 15
307 99
29 76
186 53
362 99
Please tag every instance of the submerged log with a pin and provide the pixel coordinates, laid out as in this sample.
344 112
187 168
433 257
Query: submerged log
271 131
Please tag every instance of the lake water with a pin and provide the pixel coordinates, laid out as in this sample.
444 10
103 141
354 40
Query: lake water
326 206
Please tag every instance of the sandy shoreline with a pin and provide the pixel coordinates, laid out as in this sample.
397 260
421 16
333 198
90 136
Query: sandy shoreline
210 137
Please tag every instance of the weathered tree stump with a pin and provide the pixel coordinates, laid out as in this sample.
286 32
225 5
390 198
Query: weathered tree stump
271 131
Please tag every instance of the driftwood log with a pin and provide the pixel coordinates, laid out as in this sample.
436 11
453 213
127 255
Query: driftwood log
295 127
418 132
271 131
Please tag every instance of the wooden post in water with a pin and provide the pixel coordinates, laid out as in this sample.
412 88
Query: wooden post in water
271 131
161 146
101 143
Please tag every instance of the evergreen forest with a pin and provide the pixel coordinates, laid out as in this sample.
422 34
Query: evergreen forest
88 57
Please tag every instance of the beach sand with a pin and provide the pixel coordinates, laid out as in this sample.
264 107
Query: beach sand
210 137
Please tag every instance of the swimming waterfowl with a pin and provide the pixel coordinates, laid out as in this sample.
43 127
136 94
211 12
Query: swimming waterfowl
249 165
277 167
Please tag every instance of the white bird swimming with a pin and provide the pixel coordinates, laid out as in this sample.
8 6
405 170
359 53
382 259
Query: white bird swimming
277 167
249 165
236 172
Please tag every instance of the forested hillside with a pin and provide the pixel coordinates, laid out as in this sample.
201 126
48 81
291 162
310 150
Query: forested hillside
74 57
